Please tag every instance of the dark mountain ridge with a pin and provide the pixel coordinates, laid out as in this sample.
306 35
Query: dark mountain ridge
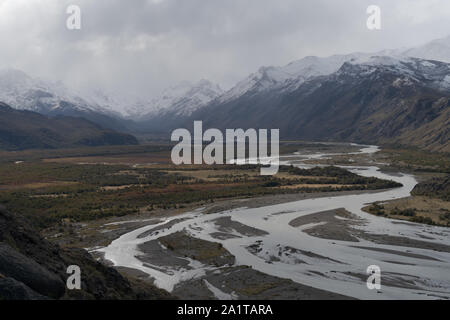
384 101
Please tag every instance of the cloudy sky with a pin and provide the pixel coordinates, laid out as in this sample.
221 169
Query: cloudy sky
143 46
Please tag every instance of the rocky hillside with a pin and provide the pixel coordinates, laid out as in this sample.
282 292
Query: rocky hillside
33 268
21 129
384 100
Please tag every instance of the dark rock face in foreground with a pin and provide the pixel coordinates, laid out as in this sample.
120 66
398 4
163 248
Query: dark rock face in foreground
29 272
11 289
34 268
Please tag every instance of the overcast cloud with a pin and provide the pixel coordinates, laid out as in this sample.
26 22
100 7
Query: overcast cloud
143 46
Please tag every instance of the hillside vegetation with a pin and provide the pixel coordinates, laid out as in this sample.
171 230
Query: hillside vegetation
30 130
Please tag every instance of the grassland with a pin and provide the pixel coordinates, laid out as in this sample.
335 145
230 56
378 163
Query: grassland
418 161
415 209
93 183
429 202
84 184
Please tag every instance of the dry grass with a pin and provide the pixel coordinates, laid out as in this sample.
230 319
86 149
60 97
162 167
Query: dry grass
424 206
113 188
138 159
257 289
37 185
215 175
314 186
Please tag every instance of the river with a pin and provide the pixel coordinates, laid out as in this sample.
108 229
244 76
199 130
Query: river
408 271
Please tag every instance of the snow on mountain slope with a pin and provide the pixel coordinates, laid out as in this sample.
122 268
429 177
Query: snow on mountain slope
123 105
438 49
289 76
24 92
21 91
179 100
292 75
430 73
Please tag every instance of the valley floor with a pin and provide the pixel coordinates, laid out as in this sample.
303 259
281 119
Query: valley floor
284 246
293 236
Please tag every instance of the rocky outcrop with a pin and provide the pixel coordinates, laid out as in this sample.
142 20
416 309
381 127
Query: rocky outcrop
21 268
11 289
34 268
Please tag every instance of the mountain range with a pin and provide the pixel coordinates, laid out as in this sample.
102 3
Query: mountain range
376 100
388 97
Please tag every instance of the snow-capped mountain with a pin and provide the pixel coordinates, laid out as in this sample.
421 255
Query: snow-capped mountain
370 99
21 91
438 49
289 76
180 100
292 75
24 92
410 70
123 105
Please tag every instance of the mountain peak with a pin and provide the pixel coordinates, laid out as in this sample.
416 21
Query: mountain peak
406 70
438 49
289 76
